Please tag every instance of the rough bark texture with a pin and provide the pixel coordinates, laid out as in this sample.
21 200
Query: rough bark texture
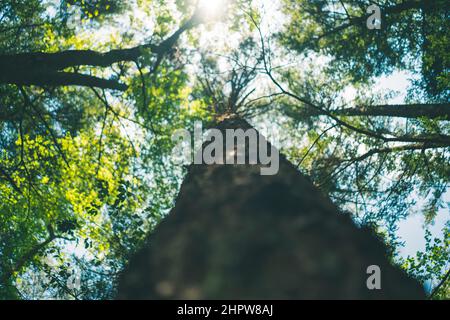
235 234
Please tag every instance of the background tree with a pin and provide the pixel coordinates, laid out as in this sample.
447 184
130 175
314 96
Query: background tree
413 36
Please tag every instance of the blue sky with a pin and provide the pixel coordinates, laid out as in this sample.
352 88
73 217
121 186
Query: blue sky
411 230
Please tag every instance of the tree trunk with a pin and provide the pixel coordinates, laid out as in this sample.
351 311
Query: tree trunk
235 234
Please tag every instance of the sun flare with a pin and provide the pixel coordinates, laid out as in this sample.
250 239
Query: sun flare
212 9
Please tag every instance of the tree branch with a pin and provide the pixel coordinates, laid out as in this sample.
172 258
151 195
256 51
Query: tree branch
431 111
436 289
420 146
29 255
10 180
45 69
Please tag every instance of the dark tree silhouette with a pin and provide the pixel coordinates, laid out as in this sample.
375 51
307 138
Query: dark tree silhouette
236 234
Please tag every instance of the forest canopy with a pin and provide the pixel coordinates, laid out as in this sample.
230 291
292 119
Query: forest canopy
91 93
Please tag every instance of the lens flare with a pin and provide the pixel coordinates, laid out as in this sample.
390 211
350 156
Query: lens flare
212 9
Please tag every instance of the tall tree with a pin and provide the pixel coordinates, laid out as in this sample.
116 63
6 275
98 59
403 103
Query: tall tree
258 237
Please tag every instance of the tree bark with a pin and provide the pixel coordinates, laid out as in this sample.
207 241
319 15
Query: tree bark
55 79
235 234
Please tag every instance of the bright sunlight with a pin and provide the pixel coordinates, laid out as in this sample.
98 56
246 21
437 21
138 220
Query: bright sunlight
212 9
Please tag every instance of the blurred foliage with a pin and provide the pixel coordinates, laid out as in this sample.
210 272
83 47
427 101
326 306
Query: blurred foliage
433 265
414 36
